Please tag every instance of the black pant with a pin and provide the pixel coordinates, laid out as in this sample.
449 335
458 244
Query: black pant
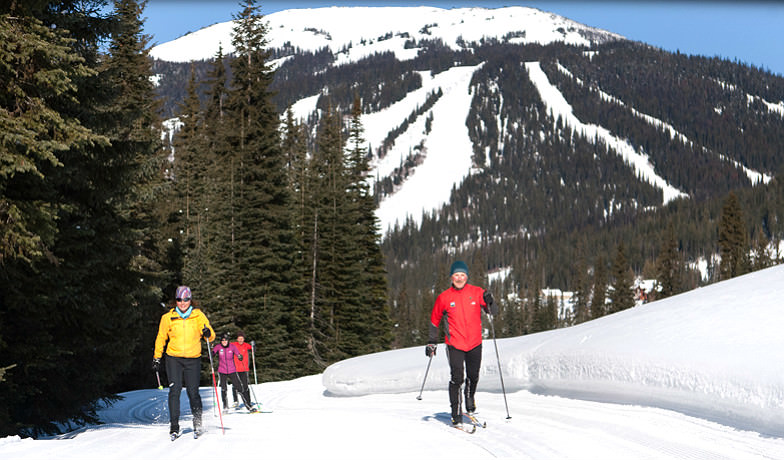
235 383
472 360
183 370
243 387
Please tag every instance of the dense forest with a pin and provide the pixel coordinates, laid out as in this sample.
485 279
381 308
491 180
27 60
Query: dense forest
271 219
99 226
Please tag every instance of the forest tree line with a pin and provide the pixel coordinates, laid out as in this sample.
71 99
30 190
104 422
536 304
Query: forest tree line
275 237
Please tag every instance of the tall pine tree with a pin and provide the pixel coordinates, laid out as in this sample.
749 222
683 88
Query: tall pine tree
621 294
41 76
263 287
733 240
599 295
103 184
373 324
668 266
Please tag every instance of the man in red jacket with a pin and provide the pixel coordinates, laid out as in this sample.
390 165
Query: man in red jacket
242 363
462 305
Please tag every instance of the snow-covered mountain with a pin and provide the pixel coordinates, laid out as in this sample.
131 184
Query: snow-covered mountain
697 376
441 137
395 29
357 32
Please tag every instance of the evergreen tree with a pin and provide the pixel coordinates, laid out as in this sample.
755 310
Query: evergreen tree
200 196
668 265
137 163
348 298
621 294
761 251
294 148
539 317
331 244
188 197
582 292
103 184
41 74
733 240
374 323
598 296
219 197
265 287
39 70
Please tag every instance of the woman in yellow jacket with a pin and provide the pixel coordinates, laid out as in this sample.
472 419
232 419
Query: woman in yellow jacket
183 327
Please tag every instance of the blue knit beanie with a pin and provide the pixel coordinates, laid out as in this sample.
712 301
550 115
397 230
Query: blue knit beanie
458 267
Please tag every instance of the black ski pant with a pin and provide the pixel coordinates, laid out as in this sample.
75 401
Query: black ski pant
187 371
460 361
235 383
243 387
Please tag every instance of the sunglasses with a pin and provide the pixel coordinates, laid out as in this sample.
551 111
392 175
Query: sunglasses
184 299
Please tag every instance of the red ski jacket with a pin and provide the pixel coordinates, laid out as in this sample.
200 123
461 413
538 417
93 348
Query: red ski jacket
244 348
463 310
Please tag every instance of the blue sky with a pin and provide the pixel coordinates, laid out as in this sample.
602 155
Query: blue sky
750 32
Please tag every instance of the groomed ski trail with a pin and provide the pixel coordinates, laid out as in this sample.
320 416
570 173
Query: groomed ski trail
541 427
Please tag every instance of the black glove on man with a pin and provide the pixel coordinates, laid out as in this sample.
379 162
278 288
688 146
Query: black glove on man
156 364
206 332
489 307
430 350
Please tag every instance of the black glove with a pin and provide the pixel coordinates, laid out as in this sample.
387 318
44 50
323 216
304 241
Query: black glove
430 350
488 298
206 332
156 364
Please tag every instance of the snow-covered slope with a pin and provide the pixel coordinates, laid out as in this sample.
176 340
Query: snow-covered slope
362 31
696 376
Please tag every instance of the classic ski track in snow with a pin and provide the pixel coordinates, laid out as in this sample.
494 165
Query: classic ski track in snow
541 427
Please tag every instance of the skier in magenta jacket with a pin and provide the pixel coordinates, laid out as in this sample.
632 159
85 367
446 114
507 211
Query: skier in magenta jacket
226 353
462 305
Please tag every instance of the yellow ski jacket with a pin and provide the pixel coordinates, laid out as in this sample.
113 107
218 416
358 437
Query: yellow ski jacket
184 335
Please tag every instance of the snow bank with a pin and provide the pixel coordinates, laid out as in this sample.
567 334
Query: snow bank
714 351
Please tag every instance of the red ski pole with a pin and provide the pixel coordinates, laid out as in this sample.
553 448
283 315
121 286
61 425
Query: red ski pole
215 385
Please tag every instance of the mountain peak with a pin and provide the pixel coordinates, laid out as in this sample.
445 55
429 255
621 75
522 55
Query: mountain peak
381 29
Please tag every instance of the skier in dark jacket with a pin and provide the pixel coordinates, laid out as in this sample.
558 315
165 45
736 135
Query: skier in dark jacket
462 305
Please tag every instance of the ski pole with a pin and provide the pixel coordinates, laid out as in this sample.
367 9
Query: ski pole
425 379
253 352
255 398
214 398
253 360
215 385
255 380
500 374
160 387
243 391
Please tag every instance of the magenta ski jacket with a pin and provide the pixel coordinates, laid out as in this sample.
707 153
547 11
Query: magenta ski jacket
226 357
